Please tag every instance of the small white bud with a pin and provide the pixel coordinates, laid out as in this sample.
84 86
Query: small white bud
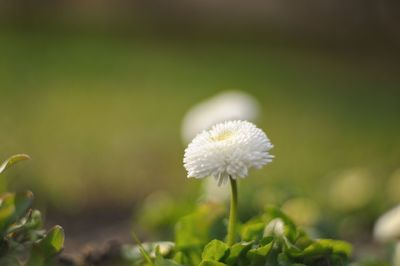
275 228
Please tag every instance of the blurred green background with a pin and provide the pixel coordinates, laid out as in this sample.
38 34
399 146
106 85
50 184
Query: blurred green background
98 103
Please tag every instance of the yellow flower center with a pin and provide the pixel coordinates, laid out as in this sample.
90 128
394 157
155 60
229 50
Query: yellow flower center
223 136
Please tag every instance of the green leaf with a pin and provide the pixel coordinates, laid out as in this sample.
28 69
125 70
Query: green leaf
339 247
53 242
211 263
216 250
32 222
12 160
261 255
192 255
252 231
12 208
328 246
303 240
284 260
260 251
180 257
266 240
194 230
44 251
238 252
35 220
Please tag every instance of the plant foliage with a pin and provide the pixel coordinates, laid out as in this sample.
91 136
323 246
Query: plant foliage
197 242
22 239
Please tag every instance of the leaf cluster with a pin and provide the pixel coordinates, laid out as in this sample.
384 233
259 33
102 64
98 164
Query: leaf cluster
270 239
22 239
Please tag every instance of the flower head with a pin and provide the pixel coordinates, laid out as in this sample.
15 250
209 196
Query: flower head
228 149
228 105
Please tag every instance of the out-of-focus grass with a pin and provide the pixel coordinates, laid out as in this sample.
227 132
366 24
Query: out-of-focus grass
100 116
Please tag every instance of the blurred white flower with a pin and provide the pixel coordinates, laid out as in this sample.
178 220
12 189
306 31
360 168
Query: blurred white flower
229 105
133 252
387 228
228 149
303 211
352 189
275 228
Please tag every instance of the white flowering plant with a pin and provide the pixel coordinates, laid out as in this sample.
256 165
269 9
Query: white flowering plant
22 238
227 152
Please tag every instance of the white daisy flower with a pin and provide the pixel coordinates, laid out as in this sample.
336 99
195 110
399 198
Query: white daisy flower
228 149
387 228
228 105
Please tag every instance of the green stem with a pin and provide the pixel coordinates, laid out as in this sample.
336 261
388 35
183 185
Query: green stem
144 253
233 212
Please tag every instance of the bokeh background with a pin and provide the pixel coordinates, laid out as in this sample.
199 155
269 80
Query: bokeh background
95 92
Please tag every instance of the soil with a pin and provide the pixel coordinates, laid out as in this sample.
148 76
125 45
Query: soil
93 237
